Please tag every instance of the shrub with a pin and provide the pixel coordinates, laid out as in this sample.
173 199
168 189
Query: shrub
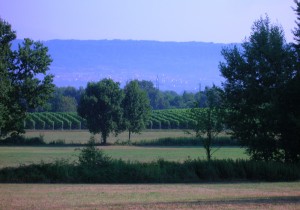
185 141
21 140
94 166
92 157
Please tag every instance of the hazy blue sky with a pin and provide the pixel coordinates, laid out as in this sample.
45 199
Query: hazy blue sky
164 20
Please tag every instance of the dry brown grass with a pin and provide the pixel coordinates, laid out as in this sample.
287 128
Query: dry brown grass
154 196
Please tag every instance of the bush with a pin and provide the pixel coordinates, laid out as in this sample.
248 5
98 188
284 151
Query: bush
92 157
94 166
185 141
21 141
105 170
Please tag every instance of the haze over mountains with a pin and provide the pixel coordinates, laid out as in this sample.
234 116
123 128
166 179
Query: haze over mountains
174 66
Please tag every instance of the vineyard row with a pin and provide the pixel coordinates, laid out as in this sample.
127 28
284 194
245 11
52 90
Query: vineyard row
160 119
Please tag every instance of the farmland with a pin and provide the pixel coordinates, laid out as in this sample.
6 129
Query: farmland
138 196
160 119
153 196
14 156
82 136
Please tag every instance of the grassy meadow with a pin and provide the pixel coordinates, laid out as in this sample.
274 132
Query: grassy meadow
14 156
17 155
279 195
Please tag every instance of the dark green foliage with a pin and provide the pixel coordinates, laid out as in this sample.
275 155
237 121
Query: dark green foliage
159 119
16 140
93 166
24 82
160 171
208 121
288 109
92 157
100 105
169 99
185 141
296 31
259 95
65 99
136 108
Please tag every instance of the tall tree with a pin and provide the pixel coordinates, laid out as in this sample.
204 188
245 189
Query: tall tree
254 79
136 108
24 81
288 105
100 105
209 120
296 31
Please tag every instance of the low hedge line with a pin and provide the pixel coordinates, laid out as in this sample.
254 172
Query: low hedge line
185 141
160 171
17 140
93 166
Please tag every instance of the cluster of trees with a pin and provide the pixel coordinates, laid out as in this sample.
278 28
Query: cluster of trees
170 99
260 97
66 99
107 109
63 99
258 102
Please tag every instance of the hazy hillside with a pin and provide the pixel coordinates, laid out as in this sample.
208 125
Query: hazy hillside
178 65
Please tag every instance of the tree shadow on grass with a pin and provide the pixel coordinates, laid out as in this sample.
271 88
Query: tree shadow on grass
254 200
238 202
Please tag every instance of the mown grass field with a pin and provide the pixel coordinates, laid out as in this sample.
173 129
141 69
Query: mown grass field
137 196
14 156
153 196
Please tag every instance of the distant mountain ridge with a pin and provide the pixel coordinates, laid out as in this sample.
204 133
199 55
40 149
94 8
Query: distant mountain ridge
174 66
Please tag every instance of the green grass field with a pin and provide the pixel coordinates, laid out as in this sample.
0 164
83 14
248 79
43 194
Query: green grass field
14 156
137 196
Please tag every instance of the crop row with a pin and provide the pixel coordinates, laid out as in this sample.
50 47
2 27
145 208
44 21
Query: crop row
160 119
170 119
54 121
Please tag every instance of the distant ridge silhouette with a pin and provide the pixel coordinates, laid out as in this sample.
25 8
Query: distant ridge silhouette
179 65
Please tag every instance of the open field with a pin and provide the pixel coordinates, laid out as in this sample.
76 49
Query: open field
14 156
153 196
82 136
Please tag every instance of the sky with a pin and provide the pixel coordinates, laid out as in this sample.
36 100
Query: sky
219 21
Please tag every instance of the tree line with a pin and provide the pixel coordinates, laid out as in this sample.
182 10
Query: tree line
258 101
66 99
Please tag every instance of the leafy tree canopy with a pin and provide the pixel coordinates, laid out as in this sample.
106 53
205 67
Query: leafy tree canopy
100 105
256 79
136 108
208 121
24 81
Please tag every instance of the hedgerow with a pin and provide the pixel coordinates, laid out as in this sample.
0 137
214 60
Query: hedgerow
93 166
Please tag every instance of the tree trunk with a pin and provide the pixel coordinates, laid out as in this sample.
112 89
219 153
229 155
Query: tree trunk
129 131
208 146
209 138
104 137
